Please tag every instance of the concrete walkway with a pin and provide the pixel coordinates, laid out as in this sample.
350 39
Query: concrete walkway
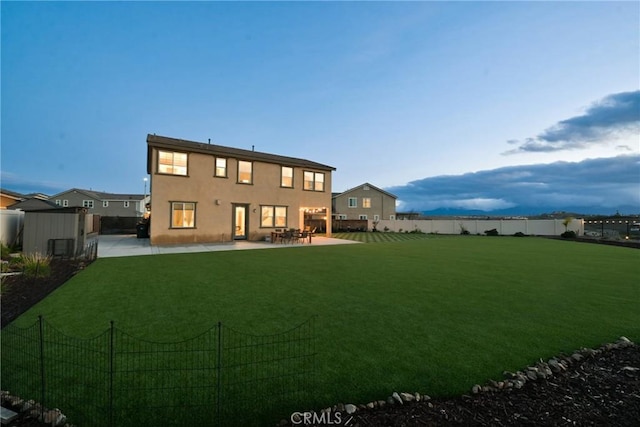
130 245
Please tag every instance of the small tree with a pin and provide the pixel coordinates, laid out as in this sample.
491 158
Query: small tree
566 222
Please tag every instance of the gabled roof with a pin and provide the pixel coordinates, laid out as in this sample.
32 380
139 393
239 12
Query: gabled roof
99 195
363 185
164 142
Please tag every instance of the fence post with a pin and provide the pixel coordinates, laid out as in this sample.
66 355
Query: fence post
42 372
111 363
219 375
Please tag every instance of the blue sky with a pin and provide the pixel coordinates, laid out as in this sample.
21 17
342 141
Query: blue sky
404 95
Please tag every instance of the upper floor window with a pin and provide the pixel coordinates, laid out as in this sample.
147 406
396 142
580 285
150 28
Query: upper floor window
366 202
65 203
183 215
313 181
172 163
58 202
245 172
273 216
353 202
221 167
126 204
87 204
286 178
105 203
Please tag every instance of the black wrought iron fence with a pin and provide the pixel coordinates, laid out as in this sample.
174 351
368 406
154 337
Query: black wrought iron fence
222 377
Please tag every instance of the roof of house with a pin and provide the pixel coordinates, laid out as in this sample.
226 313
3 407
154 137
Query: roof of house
334 195
12 194
219 150
99 195
33 203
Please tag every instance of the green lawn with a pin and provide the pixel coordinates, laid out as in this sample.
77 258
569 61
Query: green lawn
432 314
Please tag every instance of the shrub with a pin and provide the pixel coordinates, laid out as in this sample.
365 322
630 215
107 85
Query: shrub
519 234
36 264
570 234
6 251
492 232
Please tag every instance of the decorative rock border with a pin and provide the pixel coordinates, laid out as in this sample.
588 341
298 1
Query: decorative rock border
52 417
541 370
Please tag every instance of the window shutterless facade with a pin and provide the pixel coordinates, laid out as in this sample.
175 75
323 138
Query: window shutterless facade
273 216
245 172
172 163
286 177
313 181
221 167
183 215
105 203
366 202
363 217
126 204
65 203
58 202
87 204
353 202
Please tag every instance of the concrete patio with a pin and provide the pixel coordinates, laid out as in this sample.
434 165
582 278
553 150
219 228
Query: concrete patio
130 245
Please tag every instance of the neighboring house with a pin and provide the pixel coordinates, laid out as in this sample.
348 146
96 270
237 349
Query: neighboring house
8 198
103 204
210 193
364 202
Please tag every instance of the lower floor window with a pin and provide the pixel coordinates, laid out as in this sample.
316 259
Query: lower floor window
183 215
273 216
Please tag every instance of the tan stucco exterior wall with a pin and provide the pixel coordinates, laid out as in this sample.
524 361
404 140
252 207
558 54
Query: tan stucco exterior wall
215 198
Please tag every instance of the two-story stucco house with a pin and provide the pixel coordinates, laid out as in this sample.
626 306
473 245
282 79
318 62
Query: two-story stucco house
364 202
201 192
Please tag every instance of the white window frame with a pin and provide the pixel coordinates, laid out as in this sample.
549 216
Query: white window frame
126 204
342 216
352 202
392 217
105 203
362 216
58 202
366 202
65 203
376 217
87 204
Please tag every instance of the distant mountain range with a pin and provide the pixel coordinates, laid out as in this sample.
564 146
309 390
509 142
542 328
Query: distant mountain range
576 212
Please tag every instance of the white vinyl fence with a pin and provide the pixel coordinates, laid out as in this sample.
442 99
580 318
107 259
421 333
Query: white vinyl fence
505 227
10 225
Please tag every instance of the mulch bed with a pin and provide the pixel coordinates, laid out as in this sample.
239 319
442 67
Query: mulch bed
19 293
602 390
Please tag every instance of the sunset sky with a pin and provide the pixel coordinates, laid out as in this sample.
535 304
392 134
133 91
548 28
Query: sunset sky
449 105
